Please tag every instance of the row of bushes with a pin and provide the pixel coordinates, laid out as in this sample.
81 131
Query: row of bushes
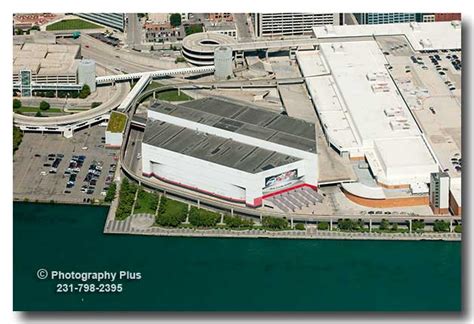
203 218
17 104
126 198
236 222
82 94
110 195
17 138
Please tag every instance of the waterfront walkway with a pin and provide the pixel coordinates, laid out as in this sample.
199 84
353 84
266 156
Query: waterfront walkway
137 224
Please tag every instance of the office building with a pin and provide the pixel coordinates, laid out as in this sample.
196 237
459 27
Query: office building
113 20
374 18
291 24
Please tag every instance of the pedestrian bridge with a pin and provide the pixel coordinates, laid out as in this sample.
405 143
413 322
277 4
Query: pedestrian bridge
154 74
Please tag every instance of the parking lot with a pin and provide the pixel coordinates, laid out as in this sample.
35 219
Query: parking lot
50 167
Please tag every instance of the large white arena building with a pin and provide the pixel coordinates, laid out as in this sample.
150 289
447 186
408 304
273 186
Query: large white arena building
229 149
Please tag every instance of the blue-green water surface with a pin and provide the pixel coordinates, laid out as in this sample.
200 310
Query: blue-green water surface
207 274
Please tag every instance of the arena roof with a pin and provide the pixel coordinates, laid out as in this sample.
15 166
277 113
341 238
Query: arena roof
244 119
213 148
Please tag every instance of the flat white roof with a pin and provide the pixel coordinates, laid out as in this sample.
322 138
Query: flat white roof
456 185
314 64
404 152
350 64
362 111
422 36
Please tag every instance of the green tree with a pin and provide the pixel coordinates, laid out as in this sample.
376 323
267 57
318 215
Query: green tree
300 227
16 103
179 59
237 222
192 29
38 114
274 223
126 199
347 224
417 225
44 105
323 226
458 228
203 218
85 92
440 226
384 225
171 213
17 138
19 31
175 19
111 192
394 227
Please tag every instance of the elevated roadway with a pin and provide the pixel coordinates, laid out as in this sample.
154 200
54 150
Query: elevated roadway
61 122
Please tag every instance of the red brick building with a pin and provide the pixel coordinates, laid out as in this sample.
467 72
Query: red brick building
447 16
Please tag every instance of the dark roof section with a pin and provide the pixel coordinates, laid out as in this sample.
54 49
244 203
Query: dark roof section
245 119
213 148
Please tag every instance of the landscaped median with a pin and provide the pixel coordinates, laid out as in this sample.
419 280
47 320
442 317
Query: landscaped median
168 95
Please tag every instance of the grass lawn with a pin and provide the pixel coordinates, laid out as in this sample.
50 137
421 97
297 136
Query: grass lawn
192 29
36 109
117 122
72 24
171 213
174 207
170 95
146 203
153 85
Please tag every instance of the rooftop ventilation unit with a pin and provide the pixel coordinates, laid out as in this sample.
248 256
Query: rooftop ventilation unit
456 24
329 29
399 125
426 43
380 87
377 76
394 112
415 26
337 48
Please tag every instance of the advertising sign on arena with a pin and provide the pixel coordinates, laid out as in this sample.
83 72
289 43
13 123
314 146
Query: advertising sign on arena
281 180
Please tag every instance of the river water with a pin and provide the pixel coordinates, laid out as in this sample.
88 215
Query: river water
211 274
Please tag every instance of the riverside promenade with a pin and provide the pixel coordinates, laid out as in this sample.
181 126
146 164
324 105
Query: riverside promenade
143 224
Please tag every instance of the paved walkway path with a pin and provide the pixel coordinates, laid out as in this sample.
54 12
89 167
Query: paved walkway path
136 224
